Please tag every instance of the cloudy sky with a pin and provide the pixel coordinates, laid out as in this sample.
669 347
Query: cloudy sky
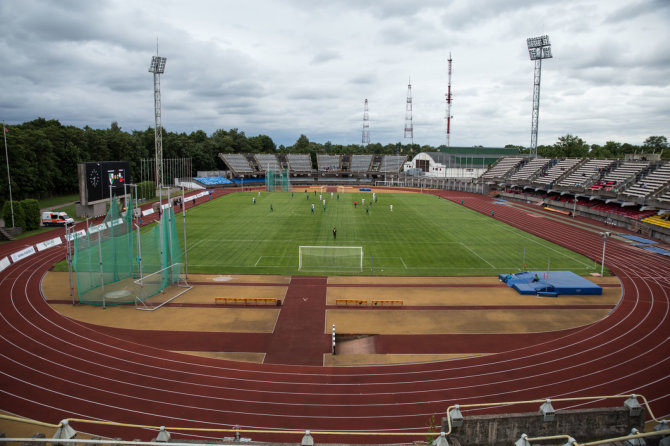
288 67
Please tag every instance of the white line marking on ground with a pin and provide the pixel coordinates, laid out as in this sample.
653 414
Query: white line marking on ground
466 247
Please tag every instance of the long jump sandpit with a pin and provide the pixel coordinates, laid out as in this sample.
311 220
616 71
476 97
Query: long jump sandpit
422 308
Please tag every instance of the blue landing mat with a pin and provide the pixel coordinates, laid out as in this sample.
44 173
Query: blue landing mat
655 249
555 283
635 238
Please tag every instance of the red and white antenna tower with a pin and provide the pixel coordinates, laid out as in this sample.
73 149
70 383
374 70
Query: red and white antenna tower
365 138
409 127
448 96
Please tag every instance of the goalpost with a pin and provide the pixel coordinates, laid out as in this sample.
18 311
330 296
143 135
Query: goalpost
340 189
330 258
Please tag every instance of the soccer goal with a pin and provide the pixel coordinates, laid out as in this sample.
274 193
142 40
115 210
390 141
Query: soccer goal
330 258
340 189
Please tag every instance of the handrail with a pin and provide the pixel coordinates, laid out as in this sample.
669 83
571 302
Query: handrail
582 398
366 433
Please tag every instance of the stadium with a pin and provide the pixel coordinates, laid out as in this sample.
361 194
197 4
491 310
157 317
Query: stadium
283 336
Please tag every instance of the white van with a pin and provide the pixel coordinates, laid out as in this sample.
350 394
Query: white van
56 219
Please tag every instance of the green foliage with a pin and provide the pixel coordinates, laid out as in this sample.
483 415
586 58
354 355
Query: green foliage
43 154
431 430
31 212
19 214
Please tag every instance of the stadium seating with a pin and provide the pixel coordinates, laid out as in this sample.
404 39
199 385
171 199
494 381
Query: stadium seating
625 172
299 162
328 163
585 174
658 220
237 162
213 181
360 163
267 161
556 171
650 183
392 163
502 168
530 169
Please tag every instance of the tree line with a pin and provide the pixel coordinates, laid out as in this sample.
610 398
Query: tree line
43 154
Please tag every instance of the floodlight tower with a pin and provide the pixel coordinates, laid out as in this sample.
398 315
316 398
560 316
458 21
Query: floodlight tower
448 96
538 48
157 67
409 126
365 138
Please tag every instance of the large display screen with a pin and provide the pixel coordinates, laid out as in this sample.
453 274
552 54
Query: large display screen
99 176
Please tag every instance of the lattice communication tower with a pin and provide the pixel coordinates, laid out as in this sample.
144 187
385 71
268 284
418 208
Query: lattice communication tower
409 126
365 138
448 97
538 48
157 67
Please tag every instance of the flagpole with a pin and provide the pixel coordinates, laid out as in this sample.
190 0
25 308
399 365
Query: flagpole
9 180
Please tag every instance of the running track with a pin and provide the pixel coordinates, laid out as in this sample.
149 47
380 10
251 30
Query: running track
53 367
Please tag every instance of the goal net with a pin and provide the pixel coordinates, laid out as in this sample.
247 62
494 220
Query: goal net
330 258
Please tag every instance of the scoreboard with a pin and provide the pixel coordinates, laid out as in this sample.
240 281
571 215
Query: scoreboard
100 175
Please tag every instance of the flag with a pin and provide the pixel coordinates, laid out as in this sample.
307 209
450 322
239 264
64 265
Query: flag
6 129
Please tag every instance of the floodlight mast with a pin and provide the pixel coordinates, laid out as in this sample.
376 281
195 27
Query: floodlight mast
157 67
538 48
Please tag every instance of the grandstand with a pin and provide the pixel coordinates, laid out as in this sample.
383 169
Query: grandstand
267 161
619 176
502 168
328 163
392 163
586 174
299 163
556 171
651 183
360 163
237 163
531 168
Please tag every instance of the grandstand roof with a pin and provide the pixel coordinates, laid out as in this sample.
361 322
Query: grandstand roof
480 151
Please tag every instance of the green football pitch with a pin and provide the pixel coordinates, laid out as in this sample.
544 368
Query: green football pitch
422 236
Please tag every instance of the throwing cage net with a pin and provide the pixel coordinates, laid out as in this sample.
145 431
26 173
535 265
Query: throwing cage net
111 255
277 181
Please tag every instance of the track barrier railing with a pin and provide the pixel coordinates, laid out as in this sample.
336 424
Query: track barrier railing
65 433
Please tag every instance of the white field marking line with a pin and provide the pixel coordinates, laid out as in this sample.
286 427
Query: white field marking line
549 247
468 248
401 261
194 245
634 284
259 259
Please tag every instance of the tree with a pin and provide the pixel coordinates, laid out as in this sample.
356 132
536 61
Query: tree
571 146
655 143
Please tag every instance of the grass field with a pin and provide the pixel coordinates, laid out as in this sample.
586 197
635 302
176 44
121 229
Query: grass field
423 235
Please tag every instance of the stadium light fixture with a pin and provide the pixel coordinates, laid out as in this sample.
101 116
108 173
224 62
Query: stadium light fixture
157 64
538 48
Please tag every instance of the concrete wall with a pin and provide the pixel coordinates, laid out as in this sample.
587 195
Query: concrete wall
583 425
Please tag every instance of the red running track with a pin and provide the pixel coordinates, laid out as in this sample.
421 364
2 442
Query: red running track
53 367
